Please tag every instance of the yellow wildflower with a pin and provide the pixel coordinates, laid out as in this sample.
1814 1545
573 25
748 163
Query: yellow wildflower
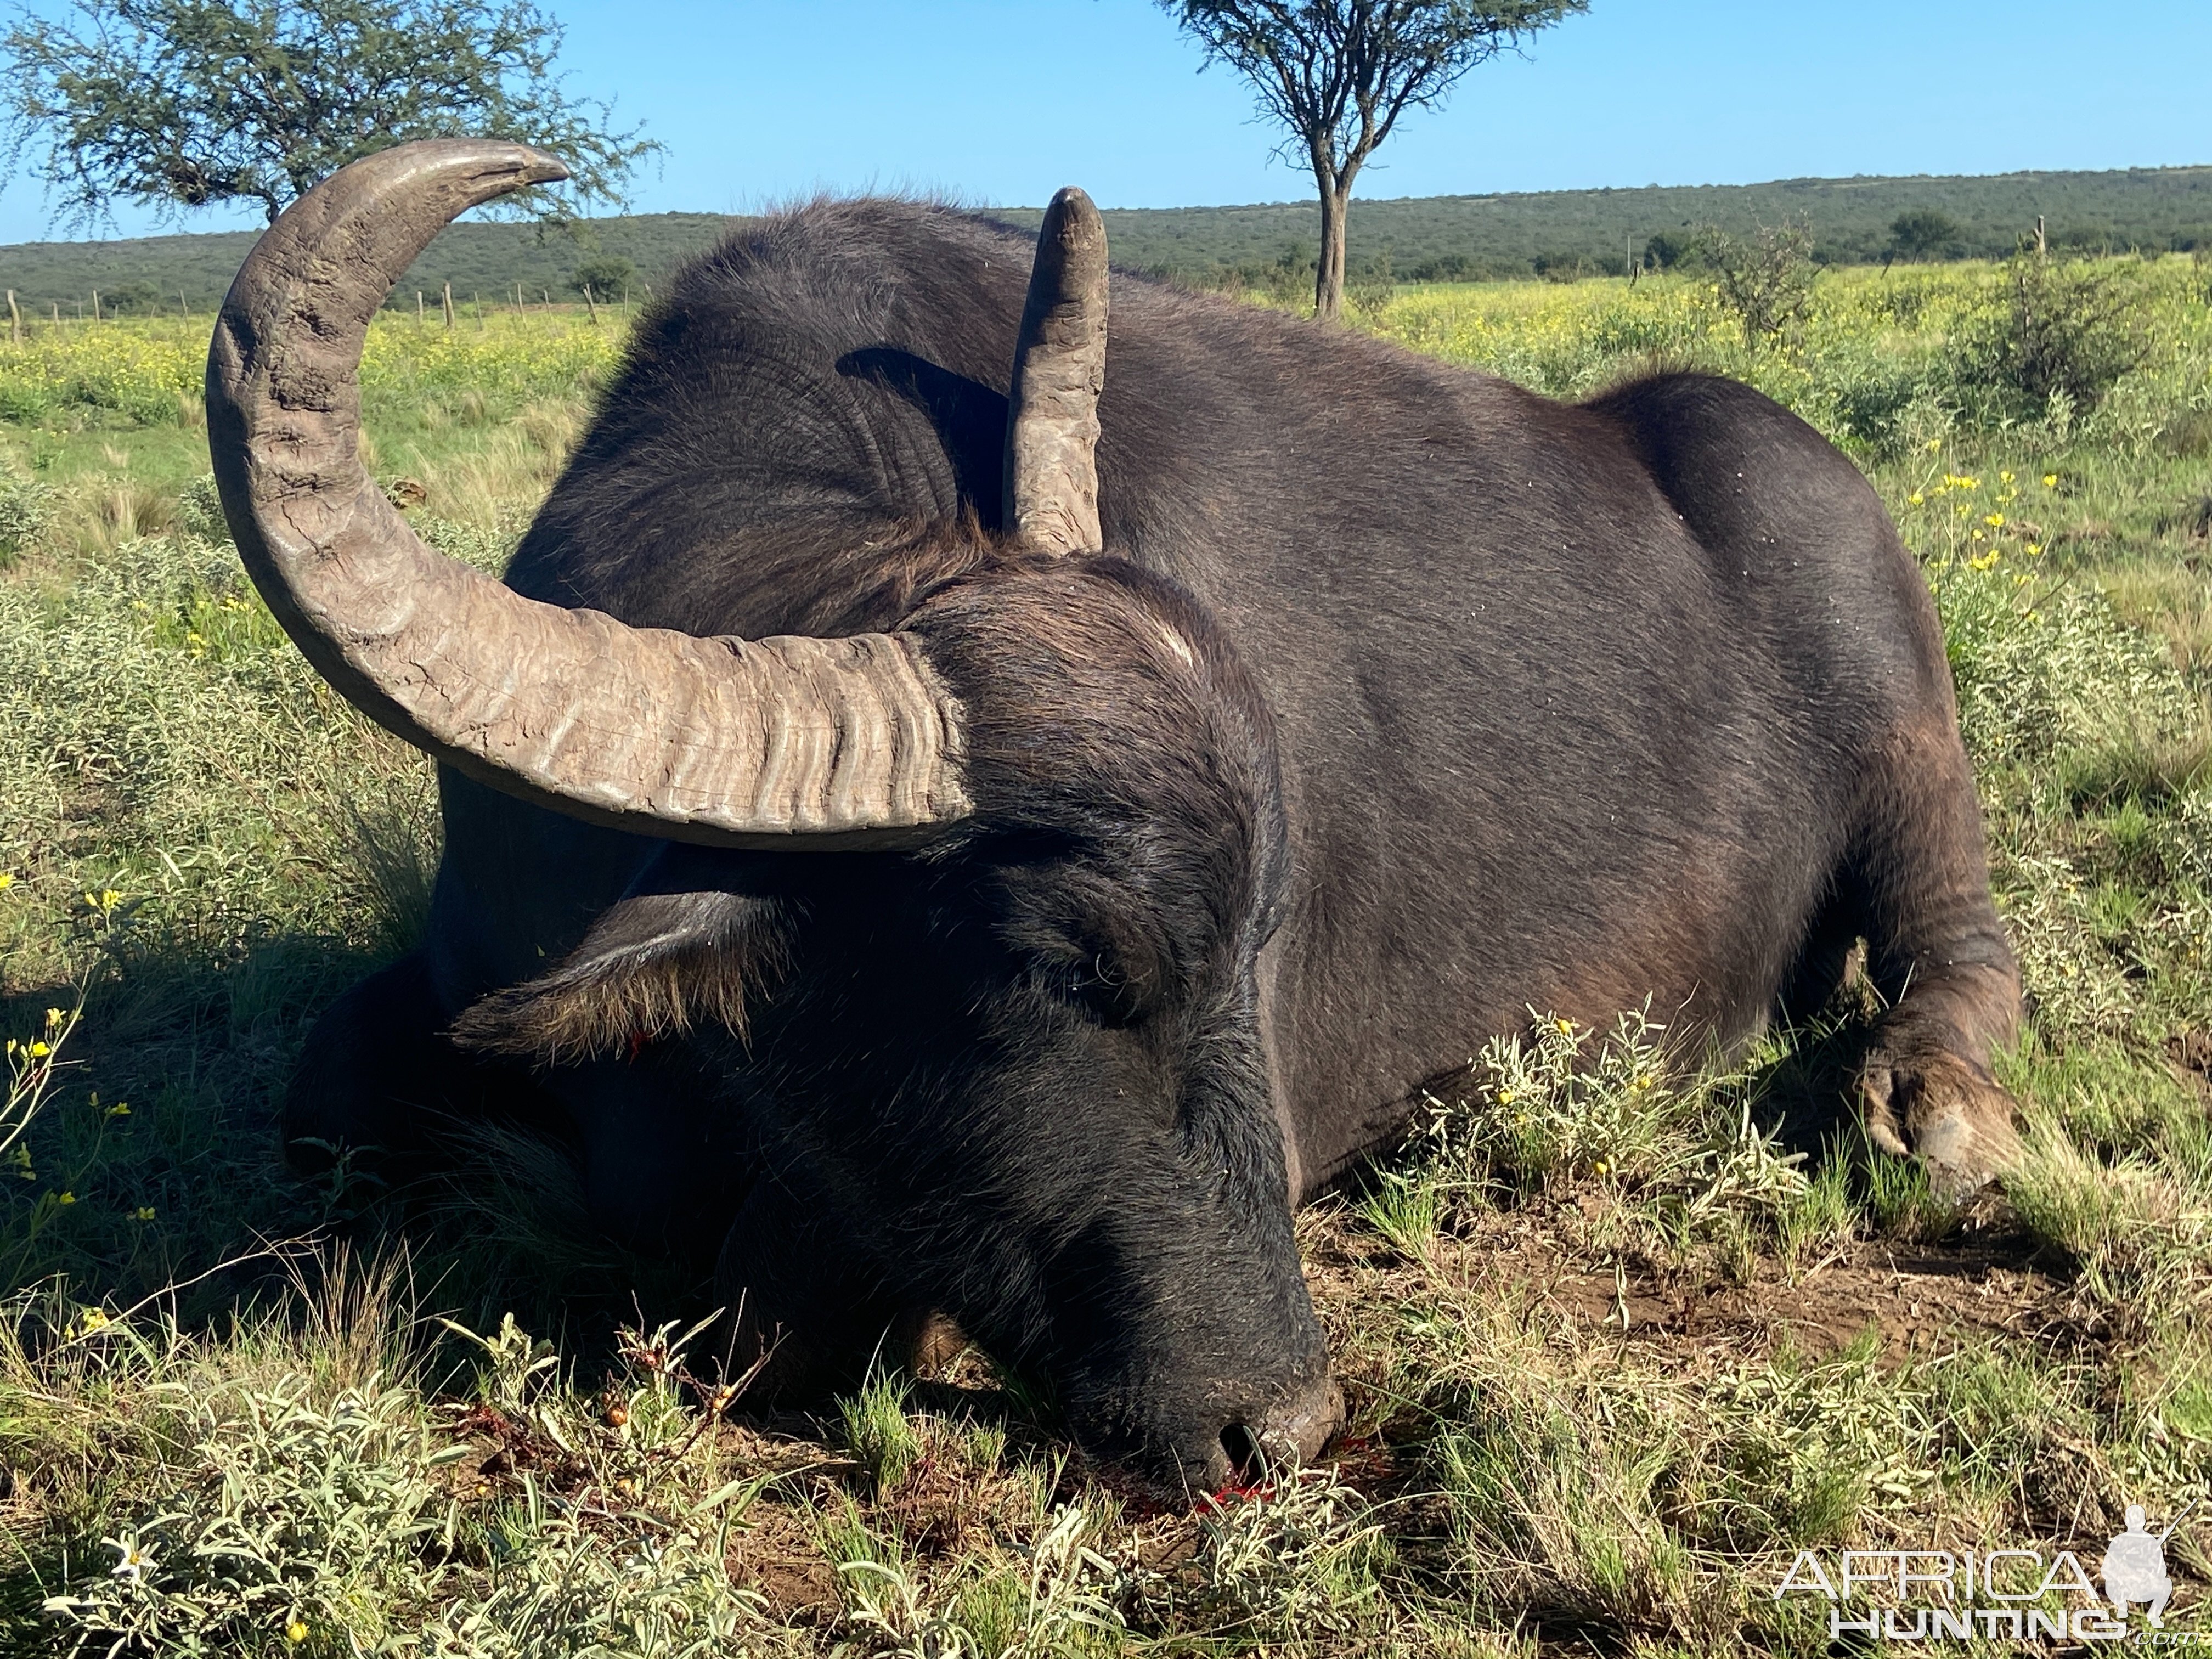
1995 521
1566 1027
121 1109
1916 498
296 1631
2050 481
40 1051
65 1198
92 1319
145 1212
7 880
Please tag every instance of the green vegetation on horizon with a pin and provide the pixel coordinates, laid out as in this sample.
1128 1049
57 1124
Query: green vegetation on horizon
1422 237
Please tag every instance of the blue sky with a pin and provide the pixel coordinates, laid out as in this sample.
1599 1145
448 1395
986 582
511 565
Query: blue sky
1000 102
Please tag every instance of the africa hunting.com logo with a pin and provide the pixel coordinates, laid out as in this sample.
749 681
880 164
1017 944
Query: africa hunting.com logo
2015 1595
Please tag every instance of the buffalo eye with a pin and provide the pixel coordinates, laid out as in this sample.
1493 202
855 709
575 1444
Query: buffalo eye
1095 941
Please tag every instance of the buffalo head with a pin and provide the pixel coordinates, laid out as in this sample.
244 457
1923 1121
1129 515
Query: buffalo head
942 990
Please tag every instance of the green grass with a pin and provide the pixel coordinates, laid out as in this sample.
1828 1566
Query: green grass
1617 1339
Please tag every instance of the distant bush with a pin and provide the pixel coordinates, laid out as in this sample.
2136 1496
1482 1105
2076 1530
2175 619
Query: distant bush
2051 342
1667 252
604 276
133 299
1925 234
1564 267
1452 268
1767 280
1467 267
2085 240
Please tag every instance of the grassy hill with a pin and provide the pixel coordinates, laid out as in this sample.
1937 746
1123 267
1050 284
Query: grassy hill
1421 236
2161 207
475 259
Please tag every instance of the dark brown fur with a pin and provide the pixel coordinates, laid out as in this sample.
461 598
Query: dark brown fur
1403 700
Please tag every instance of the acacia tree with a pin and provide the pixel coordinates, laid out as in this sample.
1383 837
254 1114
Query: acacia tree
178 104
1339 73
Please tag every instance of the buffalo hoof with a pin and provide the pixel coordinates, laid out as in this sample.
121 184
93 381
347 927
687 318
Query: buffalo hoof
1946 1111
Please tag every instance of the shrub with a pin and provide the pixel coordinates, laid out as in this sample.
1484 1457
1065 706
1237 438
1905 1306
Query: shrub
286 1519
605 275
292 1522
1306 1560
1450 268
131 299
1766 281
1372 291
26 509
1925 234
199 510
2052 340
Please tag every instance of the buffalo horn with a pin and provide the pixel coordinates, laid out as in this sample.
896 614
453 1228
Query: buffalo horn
789 742
1060 368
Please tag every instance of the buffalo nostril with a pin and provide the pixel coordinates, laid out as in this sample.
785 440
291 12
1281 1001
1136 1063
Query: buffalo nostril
1299 1428
1247 1463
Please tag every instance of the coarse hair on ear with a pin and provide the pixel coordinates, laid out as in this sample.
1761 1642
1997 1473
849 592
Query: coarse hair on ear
654 965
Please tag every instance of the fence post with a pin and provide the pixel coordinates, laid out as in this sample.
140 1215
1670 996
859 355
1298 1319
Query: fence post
591 305
95 305
15 320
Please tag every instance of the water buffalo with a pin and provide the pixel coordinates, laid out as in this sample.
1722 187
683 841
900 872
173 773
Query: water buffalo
931 836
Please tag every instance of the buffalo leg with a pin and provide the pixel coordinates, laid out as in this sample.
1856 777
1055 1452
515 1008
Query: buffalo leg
798 1305
1937 952
378 1078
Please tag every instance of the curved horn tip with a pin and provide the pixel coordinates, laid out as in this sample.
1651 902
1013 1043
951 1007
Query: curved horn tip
1051 501
779 742
1074 200
491 167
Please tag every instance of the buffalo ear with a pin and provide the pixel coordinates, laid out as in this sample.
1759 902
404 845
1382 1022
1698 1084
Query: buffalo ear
655 964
